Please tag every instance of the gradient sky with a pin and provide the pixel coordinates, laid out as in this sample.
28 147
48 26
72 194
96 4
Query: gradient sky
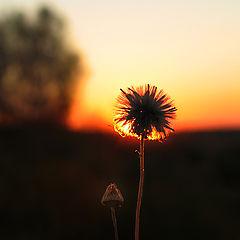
191 49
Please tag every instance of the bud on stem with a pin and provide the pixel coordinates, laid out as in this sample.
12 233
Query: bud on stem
113 198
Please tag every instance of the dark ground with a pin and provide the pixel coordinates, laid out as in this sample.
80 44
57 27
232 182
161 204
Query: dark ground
52 181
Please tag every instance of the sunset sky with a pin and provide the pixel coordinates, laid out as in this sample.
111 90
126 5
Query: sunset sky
191 49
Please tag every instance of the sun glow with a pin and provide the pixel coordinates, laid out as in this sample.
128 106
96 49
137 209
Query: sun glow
125 129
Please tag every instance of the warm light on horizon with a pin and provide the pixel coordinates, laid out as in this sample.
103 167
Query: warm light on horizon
190 49
194 113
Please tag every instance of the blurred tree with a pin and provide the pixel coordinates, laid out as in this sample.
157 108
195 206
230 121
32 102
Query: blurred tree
38 70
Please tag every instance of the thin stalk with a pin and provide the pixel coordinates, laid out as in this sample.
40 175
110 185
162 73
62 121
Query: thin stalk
140 187
114 219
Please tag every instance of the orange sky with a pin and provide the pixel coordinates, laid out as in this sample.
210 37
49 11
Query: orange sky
191 51
188 48
202 109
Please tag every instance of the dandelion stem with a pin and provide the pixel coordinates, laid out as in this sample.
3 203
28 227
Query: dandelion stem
114 219
140 187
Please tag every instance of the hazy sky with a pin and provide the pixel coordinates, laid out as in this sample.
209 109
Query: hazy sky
189 48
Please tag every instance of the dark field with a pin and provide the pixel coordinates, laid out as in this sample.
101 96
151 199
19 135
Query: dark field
52 181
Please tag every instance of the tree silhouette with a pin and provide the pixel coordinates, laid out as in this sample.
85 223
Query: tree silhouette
38 69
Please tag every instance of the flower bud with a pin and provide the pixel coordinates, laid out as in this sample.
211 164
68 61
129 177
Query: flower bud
112 197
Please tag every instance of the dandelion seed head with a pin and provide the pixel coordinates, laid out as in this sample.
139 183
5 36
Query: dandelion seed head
144 111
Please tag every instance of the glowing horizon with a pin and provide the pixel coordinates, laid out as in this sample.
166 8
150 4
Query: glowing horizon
190 49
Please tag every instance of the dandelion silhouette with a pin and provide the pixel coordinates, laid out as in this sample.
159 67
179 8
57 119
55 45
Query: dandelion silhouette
143 113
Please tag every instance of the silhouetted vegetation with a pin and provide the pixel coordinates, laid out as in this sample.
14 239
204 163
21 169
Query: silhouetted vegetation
52 181
38 69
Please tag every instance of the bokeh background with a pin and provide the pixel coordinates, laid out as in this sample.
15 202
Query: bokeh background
62 64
